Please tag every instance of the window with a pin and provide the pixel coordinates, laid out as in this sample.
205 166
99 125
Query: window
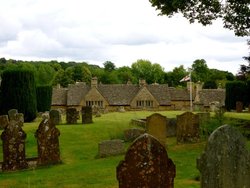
144 103
96 103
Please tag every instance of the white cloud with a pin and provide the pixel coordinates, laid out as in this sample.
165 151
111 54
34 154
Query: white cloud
114 30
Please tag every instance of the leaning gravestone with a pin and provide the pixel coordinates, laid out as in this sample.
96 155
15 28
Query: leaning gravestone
111 147
188 128
4 121
48 143
146 165
13 138
55 116
71 116
225 161
156 126
87 115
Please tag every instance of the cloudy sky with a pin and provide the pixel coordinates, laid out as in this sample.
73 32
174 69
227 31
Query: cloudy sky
120 31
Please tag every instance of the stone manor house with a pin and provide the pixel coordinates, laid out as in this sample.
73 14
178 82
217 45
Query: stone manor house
142 96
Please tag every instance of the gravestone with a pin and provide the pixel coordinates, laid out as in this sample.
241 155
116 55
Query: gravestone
20 118
225 161
171 127
132 134
13 138
55 116
4 121
71 115
239 106
146 165
156 126
87 115
12 114
48 143
111 147
188 128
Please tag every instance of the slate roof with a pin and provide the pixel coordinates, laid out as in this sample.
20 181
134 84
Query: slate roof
118 94
76 93
178 94
211 95
161 93
59 97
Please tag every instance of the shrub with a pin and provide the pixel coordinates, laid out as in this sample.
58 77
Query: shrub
44 97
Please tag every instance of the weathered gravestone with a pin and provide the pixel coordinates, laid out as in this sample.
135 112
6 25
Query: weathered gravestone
226 161
4 121
171 127
48 143
188 128
146 165
156 126
71 115
239 106
13 138
18 117
111 147
87 115
12 114
132 134
55 116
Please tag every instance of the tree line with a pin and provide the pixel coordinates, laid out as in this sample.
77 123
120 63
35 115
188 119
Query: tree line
65 73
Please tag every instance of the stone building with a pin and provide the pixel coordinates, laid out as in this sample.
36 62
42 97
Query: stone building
129 96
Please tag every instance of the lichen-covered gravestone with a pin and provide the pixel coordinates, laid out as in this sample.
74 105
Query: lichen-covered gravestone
13 138
146 165
87 115
188 128
4 121
111 147
226 161
156 126
55 116
71 116
48 143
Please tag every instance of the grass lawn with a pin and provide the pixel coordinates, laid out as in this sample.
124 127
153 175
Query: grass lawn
81 167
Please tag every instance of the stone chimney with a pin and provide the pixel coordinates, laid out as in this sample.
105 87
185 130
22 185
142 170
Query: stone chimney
142 82
94 82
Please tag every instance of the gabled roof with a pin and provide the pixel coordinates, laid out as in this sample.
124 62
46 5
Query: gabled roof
59 96
118 94
212 95
177 94
76 93
161 93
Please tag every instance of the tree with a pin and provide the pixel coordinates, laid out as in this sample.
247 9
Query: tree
44 98
64 78
200 70
18 91
244 72
44 74
109 66
234 13
210 84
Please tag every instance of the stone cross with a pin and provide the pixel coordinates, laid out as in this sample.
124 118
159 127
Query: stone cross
188 128
156 126
146 165
48 143
13 138
225 161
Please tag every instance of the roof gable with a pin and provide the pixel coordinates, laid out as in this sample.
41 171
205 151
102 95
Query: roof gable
76 93
161 93
59 96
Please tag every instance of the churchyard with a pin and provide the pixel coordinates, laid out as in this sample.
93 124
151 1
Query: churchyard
81 164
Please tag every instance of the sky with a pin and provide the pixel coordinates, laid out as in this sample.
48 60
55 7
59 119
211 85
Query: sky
120 31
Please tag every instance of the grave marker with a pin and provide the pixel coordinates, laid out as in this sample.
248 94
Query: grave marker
87 115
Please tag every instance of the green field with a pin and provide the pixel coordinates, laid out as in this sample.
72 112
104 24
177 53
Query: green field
79 149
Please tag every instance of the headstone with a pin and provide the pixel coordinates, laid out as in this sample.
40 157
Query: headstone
156 126
86 115
171 127
13 138
111 147
48 143
188 128
71 115
20 118
45 115
55 116
4 121
132 134
12 114
225 161
146 165
239 106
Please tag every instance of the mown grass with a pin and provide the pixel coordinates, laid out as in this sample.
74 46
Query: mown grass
82 168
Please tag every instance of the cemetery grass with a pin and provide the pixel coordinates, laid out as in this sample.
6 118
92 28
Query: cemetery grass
81 167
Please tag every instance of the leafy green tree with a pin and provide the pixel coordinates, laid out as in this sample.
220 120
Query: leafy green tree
44 74
200 70
125 74
44 97
176 75
81 73
64 78
210 84
234 13
109 66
